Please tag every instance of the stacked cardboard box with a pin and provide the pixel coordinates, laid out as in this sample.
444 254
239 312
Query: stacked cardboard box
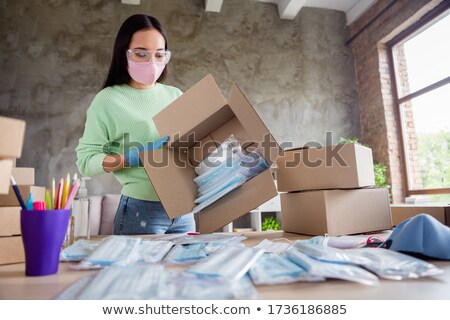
197 122
329 190
401 212
12 133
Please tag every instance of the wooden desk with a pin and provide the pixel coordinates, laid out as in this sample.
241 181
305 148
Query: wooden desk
15 285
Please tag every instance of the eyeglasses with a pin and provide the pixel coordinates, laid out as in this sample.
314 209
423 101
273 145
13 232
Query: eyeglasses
146 56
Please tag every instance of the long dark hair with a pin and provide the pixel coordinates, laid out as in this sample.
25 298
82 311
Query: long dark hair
118 70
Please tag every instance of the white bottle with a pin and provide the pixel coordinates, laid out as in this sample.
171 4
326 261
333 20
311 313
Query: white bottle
81 211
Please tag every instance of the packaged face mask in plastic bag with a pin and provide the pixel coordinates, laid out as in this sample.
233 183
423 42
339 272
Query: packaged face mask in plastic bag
329 269
184 253
394 265
218 156
78 250
184 285
386 264
227 168
153 250
136 282
228 184
114 250
273 247
342 242
217 196
230 262
225 238
253 164
272 268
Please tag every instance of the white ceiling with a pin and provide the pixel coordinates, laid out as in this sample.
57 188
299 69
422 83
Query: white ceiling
288 9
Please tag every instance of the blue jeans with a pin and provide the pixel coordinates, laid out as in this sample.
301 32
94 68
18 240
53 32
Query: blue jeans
136 216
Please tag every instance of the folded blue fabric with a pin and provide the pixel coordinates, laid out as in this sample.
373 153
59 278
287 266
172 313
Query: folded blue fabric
421 235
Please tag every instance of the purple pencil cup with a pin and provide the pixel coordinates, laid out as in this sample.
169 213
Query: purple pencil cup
43 235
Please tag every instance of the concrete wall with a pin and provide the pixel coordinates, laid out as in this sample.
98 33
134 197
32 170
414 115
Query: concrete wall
54 56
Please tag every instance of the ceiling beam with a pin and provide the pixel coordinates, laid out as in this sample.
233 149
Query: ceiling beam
213 5
288 9
135 2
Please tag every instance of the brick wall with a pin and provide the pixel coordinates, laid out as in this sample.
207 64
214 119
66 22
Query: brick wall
378 115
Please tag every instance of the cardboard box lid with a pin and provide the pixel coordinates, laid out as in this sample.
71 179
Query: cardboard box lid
202 109
12 132
188 113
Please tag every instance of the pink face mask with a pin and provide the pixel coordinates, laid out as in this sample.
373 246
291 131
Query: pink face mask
145 73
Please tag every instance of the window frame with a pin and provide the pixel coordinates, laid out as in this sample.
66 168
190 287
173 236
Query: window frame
416 28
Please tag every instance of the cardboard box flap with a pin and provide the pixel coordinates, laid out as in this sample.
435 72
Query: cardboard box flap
250 195
257 131
200 102
172 178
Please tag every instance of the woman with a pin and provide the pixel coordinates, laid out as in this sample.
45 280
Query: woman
119 124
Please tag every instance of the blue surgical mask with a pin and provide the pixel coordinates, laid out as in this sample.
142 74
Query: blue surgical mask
114 250
421 235
78 250
231 262
272 268
187 253
136 282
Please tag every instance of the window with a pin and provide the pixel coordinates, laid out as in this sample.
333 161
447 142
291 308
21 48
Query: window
421 67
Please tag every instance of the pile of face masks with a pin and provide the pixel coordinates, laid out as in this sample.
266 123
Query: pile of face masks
226 169
219 266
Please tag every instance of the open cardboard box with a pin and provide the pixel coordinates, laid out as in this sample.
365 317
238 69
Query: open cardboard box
197 122
345 166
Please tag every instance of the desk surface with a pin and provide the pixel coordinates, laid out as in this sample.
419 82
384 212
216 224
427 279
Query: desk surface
15 285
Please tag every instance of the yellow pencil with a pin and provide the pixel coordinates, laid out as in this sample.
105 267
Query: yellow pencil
65 192
53 193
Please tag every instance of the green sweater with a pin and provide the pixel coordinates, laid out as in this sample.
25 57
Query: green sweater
121 115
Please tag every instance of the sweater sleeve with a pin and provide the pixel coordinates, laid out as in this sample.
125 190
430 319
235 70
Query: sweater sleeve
90 149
